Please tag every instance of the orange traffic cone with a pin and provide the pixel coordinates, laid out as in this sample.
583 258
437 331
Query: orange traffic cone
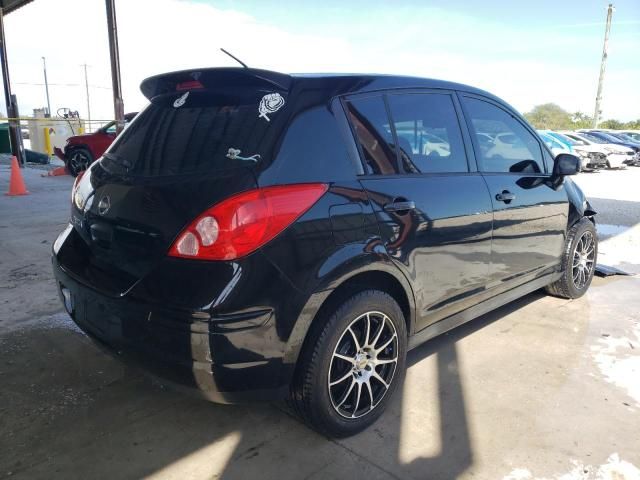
16 183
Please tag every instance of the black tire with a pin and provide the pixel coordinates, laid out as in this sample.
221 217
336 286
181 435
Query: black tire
78 160
577 239
312 396
609 165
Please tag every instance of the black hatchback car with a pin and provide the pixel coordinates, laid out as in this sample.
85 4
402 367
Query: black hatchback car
257 235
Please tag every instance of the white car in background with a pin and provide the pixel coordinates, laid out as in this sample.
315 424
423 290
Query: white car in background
507 145
593 156
617 155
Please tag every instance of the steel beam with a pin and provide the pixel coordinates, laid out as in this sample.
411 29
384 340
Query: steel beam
15 136
118 104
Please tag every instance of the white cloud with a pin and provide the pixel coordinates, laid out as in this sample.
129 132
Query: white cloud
165 35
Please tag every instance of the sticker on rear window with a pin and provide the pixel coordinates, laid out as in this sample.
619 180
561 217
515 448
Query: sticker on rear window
270 103
234 154
181 100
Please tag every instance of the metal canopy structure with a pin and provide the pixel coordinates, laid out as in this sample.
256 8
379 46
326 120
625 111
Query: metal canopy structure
9 6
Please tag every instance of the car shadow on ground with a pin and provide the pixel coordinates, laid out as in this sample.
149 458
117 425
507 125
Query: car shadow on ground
68 410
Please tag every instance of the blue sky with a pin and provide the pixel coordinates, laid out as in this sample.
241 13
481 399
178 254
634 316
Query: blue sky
526 52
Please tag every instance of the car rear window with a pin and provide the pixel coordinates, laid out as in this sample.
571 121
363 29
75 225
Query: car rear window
198 132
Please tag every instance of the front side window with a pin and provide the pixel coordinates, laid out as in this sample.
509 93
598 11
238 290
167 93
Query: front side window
429 136
505 144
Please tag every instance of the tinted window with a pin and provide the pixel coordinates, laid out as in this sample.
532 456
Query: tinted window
428 133
110 127
633 135
312 150
551 141
211 131
592 138
568 140
371 124
512 147
578 140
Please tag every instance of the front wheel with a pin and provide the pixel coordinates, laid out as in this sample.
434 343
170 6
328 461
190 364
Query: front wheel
78 160
352 365
578 262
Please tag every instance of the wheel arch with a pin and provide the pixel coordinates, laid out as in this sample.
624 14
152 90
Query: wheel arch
579 206
380 276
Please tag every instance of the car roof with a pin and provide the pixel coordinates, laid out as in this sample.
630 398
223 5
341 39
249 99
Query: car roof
357 82
334 84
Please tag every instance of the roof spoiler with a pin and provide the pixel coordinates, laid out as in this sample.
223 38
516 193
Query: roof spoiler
210 78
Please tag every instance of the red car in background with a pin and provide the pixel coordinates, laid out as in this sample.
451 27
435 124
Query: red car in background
81 150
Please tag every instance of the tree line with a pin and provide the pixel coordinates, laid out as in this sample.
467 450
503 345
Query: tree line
553 117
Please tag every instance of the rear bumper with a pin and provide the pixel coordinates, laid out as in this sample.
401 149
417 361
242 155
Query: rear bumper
212 357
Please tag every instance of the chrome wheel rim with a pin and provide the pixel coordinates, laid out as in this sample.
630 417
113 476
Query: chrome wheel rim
79 161
363 364
583 260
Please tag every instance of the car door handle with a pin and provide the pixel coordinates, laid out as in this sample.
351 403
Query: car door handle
506 196
400 206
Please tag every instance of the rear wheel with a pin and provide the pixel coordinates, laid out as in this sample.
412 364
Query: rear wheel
352 365
78 160
578 262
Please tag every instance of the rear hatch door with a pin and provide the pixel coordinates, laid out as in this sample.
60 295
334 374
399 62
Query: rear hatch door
199 141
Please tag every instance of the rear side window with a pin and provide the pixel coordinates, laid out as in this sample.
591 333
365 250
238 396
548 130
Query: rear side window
429 136
208 132
312 150
369 119
505 144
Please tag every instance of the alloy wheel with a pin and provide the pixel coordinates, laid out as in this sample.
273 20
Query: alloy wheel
363 365
583 260
79 161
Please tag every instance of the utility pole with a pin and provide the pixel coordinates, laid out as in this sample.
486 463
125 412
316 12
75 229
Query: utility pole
603 64
86 86
46 84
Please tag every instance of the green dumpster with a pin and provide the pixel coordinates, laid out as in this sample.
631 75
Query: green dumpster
5 143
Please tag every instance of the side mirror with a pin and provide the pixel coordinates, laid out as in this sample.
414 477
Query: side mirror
566 164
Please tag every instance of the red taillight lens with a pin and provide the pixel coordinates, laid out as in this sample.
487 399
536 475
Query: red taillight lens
243 223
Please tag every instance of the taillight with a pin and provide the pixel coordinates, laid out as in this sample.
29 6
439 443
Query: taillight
243 223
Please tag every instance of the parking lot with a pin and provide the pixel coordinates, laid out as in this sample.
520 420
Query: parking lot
541 388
